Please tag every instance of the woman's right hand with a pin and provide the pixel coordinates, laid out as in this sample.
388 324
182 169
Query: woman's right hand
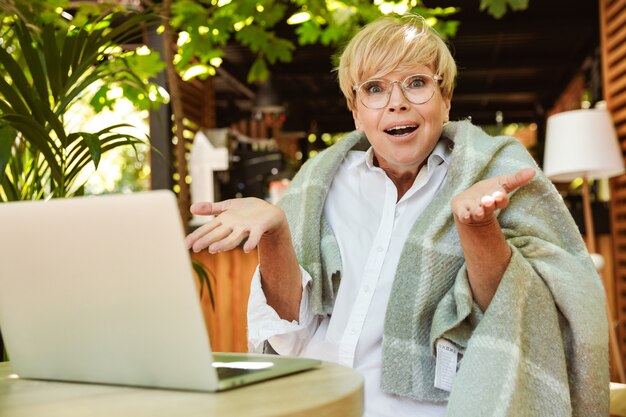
235 220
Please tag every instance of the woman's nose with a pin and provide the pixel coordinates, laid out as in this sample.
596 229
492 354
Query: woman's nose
397 100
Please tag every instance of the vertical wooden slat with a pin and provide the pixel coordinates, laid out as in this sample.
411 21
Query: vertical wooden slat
199 102
198 107
614 7
612 32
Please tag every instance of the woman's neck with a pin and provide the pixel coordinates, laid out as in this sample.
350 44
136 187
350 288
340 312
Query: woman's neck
402 179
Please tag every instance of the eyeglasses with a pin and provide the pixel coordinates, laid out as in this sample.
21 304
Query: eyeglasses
417 88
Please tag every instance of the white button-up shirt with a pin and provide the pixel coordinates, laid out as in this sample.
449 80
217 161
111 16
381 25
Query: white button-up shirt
370 226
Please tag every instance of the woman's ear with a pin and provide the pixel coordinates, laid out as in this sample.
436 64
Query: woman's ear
446 109
355 116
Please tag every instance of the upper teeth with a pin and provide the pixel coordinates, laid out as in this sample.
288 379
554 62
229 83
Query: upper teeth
400 127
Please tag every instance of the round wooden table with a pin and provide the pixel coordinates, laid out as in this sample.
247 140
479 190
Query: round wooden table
330 390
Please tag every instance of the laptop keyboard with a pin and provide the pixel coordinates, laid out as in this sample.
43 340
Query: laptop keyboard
239 368
224 372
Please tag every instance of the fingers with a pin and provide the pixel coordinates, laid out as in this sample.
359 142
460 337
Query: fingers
228 240
481 210
473 212
253 240
208 208
487 201
497 199
218 239
202 209
209 233
193 237
514 181
235 220
477 204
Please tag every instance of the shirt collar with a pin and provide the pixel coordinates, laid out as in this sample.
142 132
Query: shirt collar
442 153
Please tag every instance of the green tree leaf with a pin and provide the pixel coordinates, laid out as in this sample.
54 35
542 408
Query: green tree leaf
497 8
334 34
145 65
100 100
258 71
254 37
279 50
308 33
271 15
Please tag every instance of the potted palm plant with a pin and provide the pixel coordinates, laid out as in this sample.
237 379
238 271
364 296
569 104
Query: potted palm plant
46 70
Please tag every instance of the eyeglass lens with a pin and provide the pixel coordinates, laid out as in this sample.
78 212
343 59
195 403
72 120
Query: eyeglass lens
418 89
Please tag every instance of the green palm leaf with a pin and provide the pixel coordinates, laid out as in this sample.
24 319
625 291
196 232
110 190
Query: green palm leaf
10 93
39 138
34 62
95 147
81 156
21 93
204 276
7 138
52 56
20 83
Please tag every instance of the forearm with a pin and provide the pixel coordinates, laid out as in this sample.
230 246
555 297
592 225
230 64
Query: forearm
487 256
280 273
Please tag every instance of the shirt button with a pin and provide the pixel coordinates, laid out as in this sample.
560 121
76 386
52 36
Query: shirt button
380 249
353 332
366 288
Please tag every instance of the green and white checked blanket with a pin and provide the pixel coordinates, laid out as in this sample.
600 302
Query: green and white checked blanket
540 349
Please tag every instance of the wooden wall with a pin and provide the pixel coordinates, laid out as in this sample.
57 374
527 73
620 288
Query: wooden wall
231 275
613 43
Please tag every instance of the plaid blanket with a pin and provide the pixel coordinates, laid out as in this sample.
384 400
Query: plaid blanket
540 349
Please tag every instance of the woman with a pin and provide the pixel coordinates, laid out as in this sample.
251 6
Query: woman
415 241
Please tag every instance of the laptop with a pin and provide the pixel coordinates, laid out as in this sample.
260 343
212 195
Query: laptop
101 290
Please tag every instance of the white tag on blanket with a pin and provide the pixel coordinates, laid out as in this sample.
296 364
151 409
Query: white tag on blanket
446 365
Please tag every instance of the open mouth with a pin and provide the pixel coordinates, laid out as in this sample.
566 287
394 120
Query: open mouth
401 130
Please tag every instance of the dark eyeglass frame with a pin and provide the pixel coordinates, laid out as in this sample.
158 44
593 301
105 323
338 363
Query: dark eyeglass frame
434 77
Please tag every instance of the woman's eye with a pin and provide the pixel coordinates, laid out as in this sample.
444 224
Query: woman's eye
374 89
416 83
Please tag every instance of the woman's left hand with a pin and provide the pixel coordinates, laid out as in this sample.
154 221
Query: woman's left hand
476 206
486 252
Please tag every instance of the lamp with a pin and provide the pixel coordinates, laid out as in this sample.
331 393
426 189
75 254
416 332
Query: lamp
583 143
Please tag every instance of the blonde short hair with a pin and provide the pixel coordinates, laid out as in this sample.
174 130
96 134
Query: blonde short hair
394 44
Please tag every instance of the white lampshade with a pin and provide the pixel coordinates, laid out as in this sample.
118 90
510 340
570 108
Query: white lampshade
579 143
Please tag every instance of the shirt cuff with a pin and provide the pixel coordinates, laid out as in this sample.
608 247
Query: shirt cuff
264 323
